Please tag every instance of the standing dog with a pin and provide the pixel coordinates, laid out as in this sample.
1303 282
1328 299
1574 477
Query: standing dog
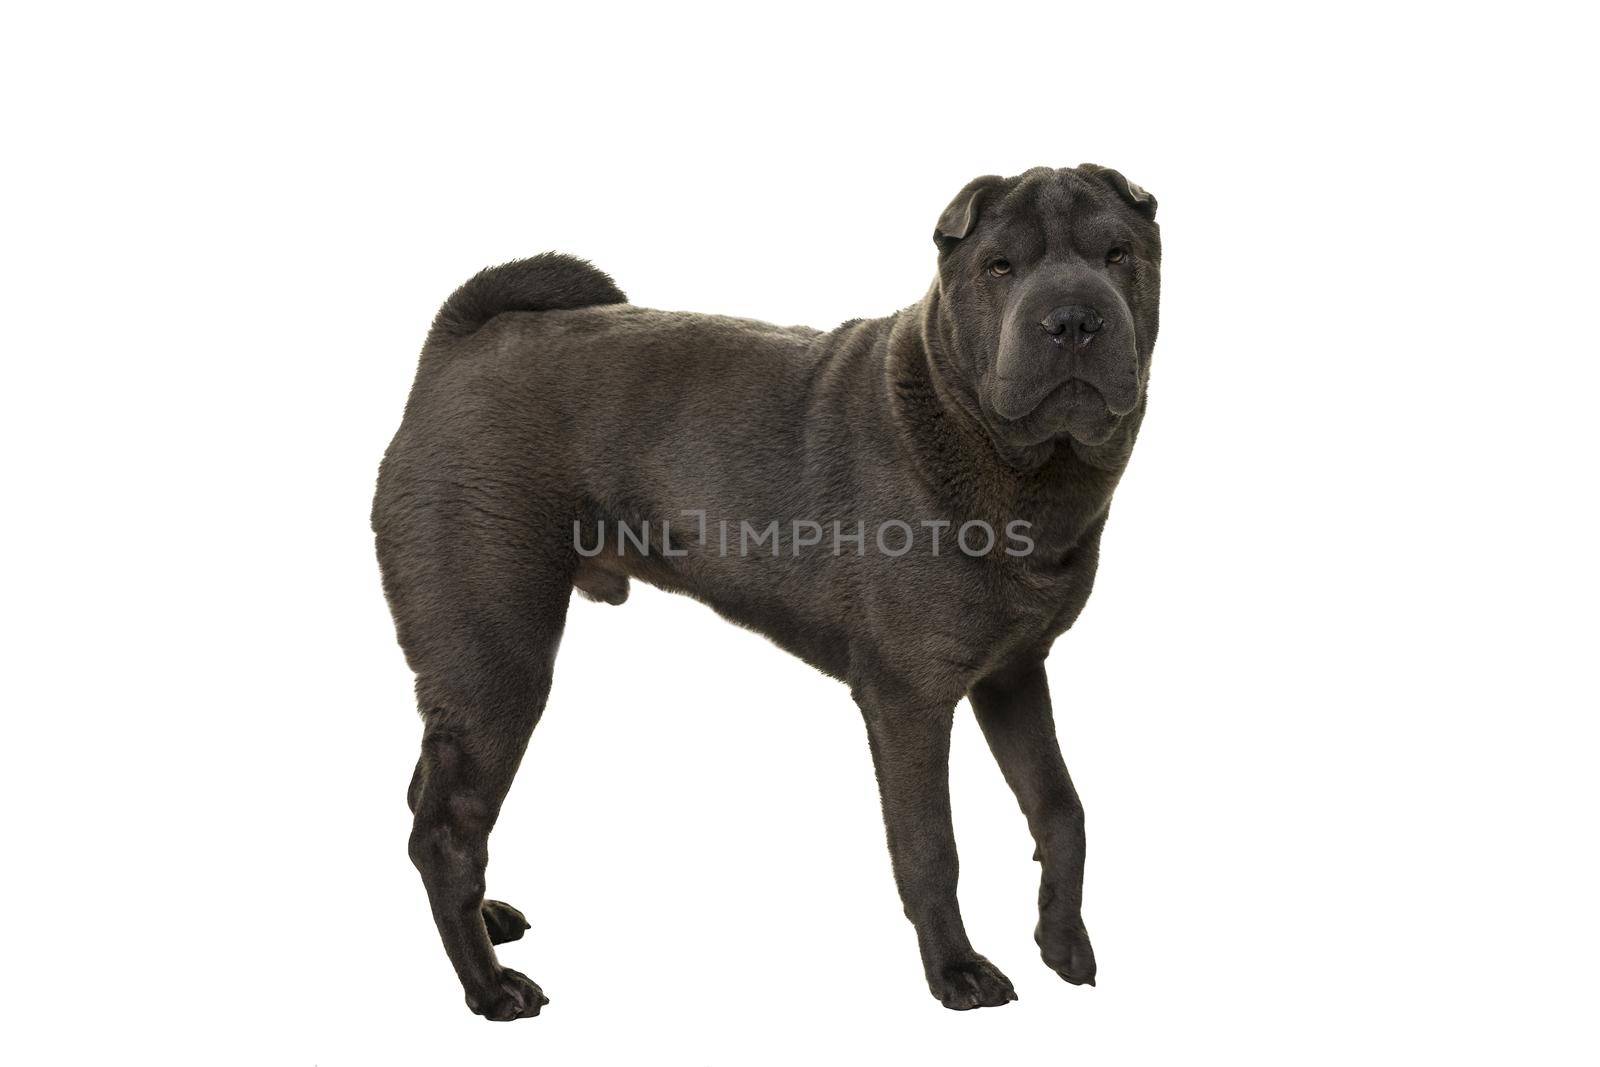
926 493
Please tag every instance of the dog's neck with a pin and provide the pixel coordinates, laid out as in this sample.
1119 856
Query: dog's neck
1059 483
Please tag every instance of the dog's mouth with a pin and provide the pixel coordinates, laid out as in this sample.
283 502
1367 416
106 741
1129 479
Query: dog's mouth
1073 407
1014 401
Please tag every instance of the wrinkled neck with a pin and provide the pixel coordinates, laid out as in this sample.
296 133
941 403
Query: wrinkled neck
957 456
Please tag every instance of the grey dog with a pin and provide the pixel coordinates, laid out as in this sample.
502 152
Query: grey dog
999 412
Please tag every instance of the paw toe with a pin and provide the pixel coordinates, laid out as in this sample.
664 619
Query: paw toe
503 922
974 983
1068 953
516 996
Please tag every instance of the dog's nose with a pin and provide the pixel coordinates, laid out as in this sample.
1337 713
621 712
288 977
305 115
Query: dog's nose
1072 323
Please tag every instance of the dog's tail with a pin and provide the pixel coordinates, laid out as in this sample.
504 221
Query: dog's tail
546 282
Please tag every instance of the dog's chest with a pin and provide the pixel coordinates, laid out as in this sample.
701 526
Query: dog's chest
945 628
1045 596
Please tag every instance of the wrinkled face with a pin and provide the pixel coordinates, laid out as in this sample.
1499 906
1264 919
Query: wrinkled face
1049 284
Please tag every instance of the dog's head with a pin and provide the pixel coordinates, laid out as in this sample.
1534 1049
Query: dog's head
1049 284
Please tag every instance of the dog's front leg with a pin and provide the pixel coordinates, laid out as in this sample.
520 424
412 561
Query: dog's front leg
911 753
1013 708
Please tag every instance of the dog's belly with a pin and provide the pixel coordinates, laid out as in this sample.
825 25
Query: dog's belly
934 625
803 603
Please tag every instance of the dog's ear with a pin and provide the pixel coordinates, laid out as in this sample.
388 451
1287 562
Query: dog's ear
961 216
1135 195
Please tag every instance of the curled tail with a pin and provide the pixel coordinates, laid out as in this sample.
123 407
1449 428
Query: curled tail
546 282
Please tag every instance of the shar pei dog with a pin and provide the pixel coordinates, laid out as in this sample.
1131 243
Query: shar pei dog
913 504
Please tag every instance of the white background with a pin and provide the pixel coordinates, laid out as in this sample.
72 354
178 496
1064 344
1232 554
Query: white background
1332 708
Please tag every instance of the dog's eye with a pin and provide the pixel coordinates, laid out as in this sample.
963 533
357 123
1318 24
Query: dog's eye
1000 267
1116 255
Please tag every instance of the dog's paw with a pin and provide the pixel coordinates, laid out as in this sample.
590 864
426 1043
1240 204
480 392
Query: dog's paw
514 996
973 983
1066 950
503 922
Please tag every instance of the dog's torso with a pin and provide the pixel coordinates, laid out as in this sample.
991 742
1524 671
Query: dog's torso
666 445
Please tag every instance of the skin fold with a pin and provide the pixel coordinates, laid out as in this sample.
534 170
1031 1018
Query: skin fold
545 405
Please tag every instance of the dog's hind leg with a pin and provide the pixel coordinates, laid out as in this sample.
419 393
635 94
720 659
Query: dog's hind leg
503 922
469 756
473 741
